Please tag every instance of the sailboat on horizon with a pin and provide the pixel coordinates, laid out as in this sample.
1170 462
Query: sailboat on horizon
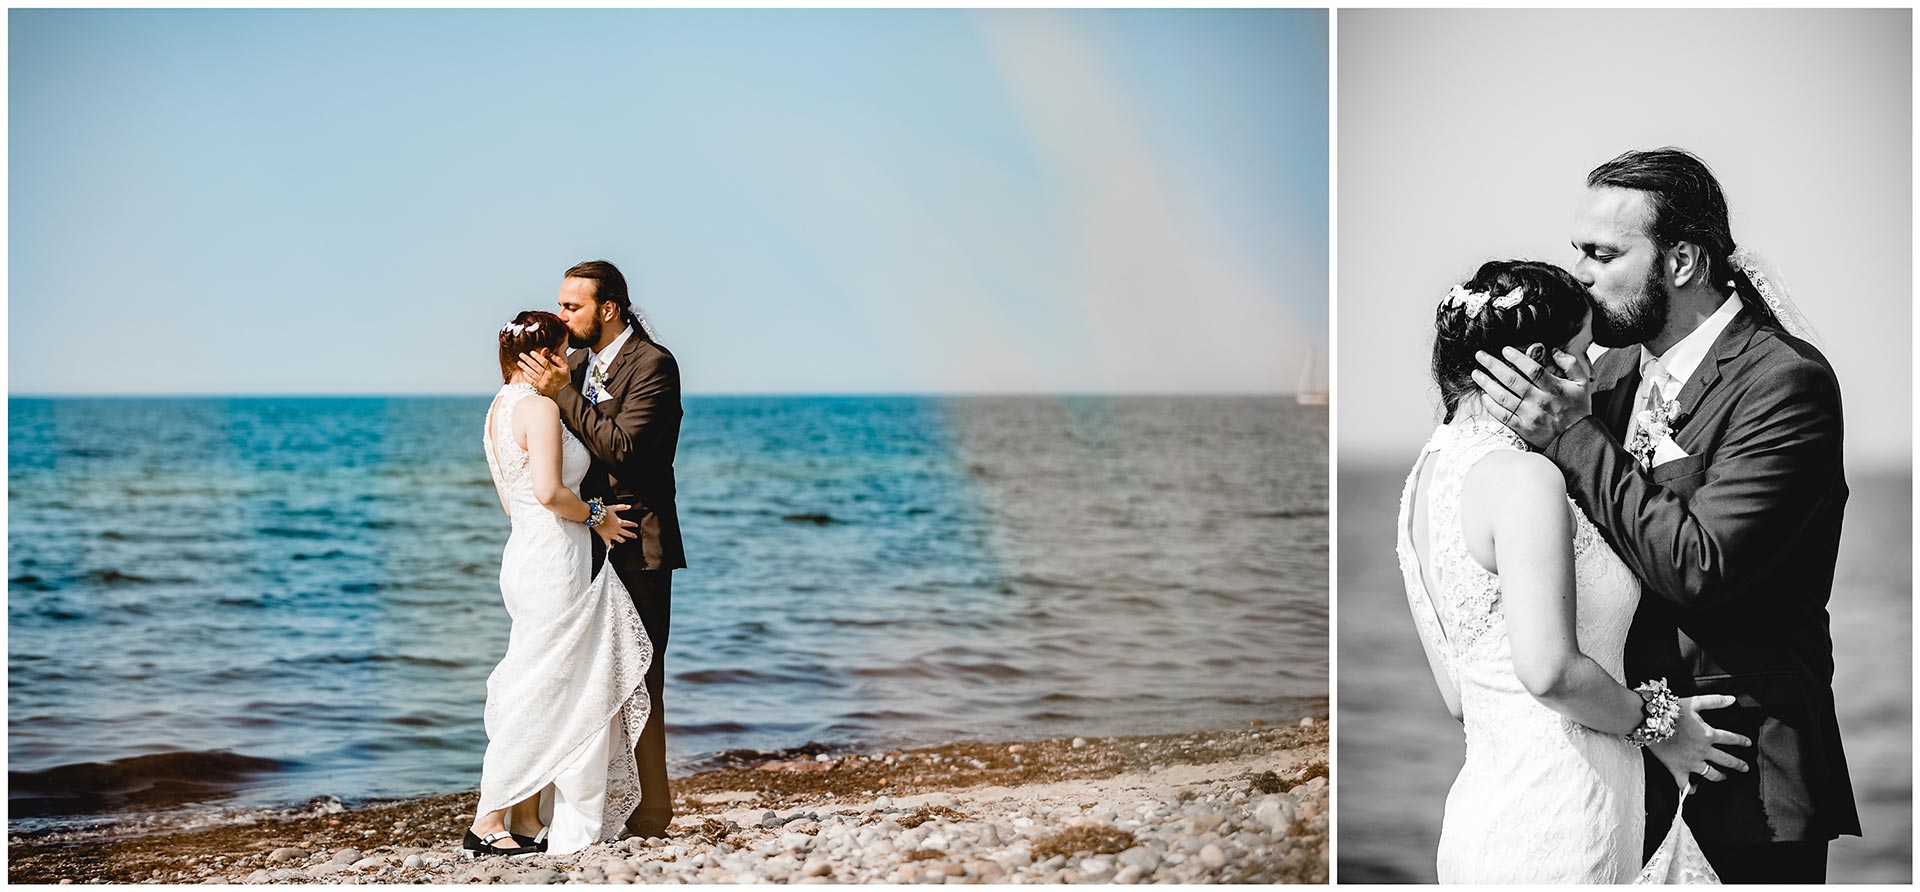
1307 394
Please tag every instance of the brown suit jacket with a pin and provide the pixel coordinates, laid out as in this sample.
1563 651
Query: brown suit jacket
1735 545
633 434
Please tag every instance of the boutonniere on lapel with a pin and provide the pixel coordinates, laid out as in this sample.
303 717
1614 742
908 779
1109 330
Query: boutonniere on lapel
596 382
1652 426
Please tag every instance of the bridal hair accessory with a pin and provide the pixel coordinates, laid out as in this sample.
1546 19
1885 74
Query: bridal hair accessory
519 327
1474 301
596 512
1461 297
1773 292
1662 711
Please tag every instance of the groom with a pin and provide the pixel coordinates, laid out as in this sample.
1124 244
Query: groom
621 397
1726 501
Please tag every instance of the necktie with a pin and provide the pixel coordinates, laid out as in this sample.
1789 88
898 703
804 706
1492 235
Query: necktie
1658 378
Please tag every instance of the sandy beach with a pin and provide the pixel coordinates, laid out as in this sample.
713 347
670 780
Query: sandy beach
1245 805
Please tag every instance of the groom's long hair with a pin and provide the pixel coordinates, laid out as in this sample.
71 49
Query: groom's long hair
1552 307
1688 206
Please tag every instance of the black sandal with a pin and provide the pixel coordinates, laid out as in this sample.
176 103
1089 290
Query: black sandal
475 847
537 842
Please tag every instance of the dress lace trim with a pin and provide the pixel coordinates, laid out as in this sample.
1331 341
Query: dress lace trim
1678 861
1467 611
497 437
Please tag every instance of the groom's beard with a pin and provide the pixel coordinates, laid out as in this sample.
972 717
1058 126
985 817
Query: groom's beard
589 339
1639 320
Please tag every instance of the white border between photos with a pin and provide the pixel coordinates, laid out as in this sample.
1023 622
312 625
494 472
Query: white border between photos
1333 441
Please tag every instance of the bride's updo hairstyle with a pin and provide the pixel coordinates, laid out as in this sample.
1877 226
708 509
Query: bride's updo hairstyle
531 330
1508 303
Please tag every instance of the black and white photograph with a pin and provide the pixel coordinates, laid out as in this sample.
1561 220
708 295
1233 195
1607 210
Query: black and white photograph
1624 446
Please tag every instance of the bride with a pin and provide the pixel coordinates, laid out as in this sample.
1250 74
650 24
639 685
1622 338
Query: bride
569 698
1523 611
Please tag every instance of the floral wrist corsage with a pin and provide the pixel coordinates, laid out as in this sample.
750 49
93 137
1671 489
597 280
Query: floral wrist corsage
1662 711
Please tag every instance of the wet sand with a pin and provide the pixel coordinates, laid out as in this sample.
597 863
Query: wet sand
1246 805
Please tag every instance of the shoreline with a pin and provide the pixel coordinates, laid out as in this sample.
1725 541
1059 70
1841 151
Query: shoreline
1247 805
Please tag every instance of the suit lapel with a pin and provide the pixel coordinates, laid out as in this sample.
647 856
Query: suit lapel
619 360
1731 342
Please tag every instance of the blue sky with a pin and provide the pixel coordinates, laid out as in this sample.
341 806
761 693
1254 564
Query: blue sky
924 201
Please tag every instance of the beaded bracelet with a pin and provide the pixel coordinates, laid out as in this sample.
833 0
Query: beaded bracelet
1662 711
596 512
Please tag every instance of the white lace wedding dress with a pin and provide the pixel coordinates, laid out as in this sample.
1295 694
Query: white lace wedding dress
567 702
1540 799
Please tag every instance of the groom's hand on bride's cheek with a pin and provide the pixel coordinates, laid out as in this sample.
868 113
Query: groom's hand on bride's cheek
1536 403
545 375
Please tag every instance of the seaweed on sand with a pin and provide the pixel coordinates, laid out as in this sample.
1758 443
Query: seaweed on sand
1098 840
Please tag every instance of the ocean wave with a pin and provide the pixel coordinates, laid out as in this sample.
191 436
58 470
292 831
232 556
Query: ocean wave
815 519
885 715
1054 582
374 658
151 536
58 612
753 677
1286 513
112 577
852 622
709 728
322 556
374 748
293 533
908 670
158 779
1066 697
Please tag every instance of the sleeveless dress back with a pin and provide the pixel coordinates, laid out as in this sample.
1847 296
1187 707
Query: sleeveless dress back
1540 798
567 702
